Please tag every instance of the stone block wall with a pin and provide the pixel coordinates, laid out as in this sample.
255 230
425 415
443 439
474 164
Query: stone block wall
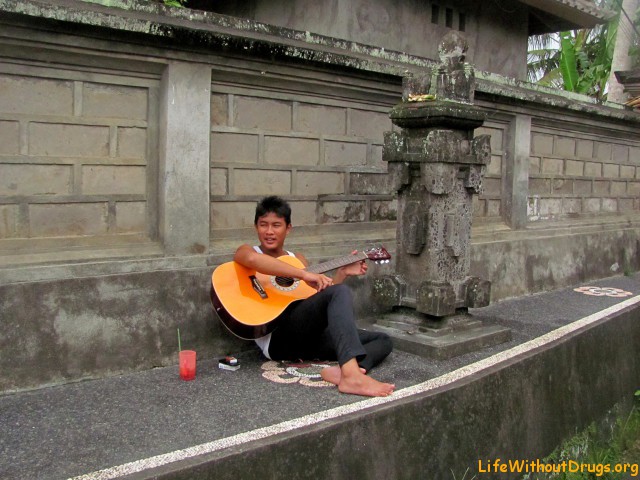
313 150
73 154
129 167
77 160
325 156
578 174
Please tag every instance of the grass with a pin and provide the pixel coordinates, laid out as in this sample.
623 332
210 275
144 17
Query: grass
599 448
464 477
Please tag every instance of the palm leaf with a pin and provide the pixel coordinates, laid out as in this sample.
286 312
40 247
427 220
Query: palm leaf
577 60
568 65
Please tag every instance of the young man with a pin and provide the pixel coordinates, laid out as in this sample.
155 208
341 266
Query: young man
321 326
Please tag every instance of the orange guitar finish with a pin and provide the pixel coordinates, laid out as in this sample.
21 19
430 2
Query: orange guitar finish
241 307
248 302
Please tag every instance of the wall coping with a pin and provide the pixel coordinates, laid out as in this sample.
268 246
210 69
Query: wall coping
75 264
208 32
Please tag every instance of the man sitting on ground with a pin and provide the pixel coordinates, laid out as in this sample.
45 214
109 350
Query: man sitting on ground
321 326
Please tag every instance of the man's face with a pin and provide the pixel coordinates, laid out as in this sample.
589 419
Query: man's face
272 231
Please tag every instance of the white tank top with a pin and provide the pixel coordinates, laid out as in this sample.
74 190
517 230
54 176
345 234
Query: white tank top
263 342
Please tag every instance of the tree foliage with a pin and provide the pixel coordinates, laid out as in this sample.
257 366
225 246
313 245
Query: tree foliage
575 60
174 3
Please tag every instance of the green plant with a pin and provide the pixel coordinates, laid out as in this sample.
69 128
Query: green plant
463 476
577 60
617 442
585 60
174 3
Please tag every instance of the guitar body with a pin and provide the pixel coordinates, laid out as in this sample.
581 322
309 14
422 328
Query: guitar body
242 308
248 302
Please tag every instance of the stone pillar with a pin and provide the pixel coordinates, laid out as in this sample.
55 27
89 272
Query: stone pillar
185 132
517 172
436 165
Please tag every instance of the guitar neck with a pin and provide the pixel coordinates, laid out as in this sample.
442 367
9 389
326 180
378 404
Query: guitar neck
336 263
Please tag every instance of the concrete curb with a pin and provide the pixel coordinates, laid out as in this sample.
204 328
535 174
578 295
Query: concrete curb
512 405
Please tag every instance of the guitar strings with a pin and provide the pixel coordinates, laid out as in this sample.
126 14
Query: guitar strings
284 281
338 262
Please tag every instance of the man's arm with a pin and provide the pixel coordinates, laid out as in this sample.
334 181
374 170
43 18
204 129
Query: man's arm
248 257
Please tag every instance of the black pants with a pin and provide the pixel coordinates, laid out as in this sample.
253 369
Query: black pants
323 327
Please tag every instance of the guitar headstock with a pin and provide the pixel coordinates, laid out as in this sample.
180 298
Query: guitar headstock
378 254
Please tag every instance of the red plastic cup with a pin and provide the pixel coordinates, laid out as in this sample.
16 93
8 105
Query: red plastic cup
187 364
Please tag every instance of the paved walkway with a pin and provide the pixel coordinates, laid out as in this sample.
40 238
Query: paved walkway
104 428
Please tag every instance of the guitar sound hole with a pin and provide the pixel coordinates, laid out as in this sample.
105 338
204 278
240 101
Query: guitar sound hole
284 281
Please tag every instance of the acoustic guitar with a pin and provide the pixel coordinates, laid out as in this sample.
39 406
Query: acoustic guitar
249 302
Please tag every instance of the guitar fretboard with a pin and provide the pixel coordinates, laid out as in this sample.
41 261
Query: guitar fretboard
336 263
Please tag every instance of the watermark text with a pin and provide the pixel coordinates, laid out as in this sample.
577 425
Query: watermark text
499 465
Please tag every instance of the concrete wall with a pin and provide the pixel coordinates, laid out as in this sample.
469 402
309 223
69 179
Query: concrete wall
135 144
497 35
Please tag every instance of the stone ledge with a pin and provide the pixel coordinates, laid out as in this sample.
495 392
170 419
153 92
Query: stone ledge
468 417
319 242
194 30
193 27
492 232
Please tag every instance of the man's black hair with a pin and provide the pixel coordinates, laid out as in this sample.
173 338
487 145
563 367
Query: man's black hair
273 204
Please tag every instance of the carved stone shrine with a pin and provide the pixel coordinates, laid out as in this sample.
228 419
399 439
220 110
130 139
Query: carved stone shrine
436 165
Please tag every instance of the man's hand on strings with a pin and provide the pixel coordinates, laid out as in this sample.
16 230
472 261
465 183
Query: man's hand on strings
317 280
357 268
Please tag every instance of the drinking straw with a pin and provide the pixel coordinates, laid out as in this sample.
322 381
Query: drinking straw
179 344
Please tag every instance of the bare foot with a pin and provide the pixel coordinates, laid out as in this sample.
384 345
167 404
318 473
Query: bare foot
334 374
364 385
353 381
